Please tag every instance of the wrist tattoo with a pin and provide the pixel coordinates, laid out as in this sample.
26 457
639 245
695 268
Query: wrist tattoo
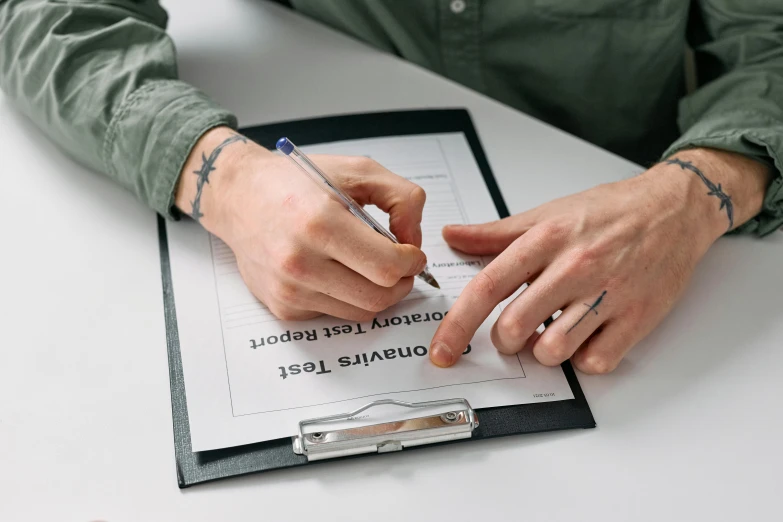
590 308
207 166
715 190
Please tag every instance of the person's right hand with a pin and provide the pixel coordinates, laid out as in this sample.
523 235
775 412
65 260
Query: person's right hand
299 251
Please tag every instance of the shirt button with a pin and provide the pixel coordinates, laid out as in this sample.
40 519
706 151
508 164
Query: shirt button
457 6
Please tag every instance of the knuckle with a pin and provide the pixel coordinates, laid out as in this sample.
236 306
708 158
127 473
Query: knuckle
511 328
418 196
582 261
284 313
361 163
293 264
596 364
483 285
571 270
555 346
286 293
584 256
314 227
317 224
552 231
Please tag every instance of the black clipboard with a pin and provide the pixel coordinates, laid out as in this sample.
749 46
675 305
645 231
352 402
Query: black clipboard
195 468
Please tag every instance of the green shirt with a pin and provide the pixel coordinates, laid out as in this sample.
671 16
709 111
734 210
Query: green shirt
100 77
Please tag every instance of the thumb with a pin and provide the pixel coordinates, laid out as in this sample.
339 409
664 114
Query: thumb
487 238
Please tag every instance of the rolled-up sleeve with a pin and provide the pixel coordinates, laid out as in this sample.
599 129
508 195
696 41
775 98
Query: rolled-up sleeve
100 79
738 106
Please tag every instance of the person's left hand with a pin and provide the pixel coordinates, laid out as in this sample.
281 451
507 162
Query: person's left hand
614 259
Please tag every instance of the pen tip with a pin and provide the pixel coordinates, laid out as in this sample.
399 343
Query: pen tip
427 278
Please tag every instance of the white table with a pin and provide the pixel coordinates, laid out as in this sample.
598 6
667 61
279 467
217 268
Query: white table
689 425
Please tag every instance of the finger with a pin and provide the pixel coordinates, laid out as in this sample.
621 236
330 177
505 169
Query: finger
273 296
487 238
348 241
528 344
293 300
568 332
491 286
285 312
343 284
604 351
370 183
545 296
325 304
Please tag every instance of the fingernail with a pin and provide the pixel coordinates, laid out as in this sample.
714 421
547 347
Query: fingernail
441 355
422 264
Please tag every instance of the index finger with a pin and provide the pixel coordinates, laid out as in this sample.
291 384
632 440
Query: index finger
490 287
370 254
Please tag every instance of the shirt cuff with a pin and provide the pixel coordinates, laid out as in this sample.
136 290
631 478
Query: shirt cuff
151 135
753 134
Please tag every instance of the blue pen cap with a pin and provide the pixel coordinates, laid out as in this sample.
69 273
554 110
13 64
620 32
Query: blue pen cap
285 146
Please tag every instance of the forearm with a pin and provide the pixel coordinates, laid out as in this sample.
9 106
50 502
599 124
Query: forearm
51 69
100 79
738 106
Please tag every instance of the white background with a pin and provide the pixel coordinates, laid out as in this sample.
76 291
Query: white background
689 425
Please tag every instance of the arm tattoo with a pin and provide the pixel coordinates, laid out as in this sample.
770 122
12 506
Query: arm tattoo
207 166
590 308
715 190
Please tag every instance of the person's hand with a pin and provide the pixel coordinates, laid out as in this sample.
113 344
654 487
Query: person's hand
299 251
614 259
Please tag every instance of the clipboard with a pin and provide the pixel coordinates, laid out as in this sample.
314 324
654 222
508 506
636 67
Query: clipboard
458 422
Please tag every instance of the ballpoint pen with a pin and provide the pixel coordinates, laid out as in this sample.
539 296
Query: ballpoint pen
287 147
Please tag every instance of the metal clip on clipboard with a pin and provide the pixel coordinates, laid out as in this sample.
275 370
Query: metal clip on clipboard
456 423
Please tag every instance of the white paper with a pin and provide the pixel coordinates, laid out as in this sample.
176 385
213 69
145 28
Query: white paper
242 381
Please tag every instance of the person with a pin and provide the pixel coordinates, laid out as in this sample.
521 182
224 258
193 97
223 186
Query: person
100 79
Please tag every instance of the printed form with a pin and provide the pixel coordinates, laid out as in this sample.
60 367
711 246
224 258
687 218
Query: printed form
250 377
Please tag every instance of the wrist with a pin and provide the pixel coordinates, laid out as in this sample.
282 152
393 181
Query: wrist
676 199
726 188
703 195
209 175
